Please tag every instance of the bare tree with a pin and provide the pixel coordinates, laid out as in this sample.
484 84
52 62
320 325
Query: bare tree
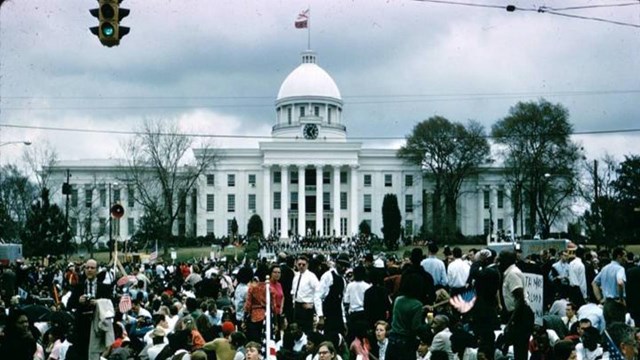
40 159
85 216
158 167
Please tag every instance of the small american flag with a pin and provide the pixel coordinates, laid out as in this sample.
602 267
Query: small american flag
154 255
464 301
614 352
125 303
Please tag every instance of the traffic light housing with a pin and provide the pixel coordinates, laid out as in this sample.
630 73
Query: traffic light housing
109 15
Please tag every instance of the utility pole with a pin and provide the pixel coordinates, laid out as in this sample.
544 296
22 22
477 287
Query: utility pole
66 191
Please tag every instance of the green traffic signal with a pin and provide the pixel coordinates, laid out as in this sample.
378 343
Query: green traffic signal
107 30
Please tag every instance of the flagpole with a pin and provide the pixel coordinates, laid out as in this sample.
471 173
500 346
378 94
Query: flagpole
268 315
309 28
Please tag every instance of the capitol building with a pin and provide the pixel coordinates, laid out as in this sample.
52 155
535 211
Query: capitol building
309 178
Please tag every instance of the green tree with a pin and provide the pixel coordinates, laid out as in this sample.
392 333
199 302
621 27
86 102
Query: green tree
364 228
45 229
627 186
17 193
391 221
449 153
254 226
541 161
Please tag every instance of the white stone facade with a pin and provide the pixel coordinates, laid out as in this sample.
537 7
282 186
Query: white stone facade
309 146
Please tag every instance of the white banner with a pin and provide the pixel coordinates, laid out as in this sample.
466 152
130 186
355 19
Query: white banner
534 284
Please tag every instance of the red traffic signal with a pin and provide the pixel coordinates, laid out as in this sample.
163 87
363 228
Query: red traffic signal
117 211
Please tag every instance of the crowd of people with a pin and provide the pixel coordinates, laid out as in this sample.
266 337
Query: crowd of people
326 301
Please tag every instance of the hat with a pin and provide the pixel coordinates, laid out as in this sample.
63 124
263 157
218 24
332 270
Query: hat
571 246
228 327
483 255
343 259
158 332
379 263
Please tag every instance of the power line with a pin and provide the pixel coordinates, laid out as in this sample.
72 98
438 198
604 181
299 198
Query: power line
231 136
545 10
391 99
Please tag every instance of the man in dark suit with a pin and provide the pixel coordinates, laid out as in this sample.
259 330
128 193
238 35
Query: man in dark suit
286 280
83 301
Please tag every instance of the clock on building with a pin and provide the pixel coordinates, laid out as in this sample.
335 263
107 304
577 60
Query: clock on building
310 131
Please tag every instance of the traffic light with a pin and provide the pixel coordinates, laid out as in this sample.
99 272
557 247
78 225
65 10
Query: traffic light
109 15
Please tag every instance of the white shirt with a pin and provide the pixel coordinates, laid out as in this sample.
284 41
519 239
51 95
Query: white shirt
577 276
326 280
513 279
354 295
457 273
305 284
298 345
583 353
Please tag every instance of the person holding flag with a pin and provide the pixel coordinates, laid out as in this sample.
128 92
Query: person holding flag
621 342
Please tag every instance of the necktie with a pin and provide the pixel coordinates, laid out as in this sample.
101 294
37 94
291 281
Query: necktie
297 286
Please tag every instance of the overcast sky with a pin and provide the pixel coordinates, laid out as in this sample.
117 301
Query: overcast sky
217 65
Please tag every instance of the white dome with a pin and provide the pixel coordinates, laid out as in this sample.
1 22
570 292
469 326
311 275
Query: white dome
309 79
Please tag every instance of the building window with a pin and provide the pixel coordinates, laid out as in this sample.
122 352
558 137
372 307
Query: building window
231 202
210 202
500 199
500 224
211 180
367 180
343 177
301 111
229 227
252 180
88 197
276 225
252 202
294 177
367 203
326 225
131 198
294 200
343 201
74 196
209 226
86 226
329 113
73 225
408 180
316 110
103 197
326 201
388 180
102 225
116 195
343 226
277 200
231 180
486 199
277 177
326 177
486 226
289 116
408 227
131 226
408 203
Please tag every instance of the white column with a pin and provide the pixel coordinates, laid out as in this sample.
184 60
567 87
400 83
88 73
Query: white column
353 205
319 215
480 210
302 205
284 202
493 202
336 199
266 197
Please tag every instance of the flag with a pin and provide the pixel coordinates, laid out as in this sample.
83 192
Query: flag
464 301
154 255
302 22
125 303
614 352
